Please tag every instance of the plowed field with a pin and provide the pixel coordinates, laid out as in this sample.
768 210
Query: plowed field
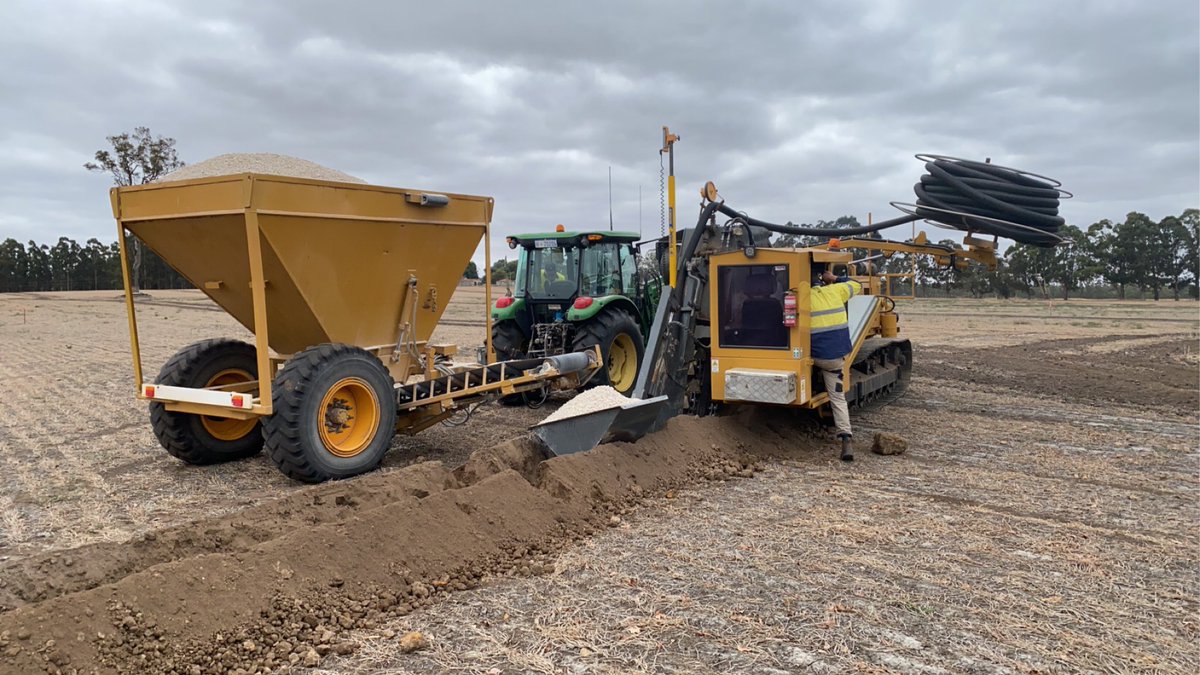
1043 519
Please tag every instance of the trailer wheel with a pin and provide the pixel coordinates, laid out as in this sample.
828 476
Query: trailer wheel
621 345
201 439
334 414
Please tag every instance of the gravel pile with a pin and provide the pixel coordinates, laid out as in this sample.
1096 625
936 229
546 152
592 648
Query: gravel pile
259 162
598 398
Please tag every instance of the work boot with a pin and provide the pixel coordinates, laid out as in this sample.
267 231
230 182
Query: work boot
847 448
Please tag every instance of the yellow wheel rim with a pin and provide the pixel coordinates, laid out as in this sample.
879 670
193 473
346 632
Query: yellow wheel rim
622 363
225 428
348 417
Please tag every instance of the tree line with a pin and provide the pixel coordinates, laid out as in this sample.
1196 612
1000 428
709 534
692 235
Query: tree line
1108 259
69 266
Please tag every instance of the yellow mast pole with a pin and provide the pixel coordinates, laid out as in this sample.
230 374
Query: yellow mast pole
669 148
490 356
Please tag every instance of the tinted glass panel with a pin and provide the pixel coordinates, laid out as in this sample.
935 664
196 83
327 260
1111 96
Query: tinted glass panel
751 306
549 273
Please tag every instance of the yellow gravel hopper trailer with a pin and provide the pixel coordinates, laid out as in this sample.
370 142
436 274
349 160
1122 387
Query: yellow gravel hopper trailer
342 285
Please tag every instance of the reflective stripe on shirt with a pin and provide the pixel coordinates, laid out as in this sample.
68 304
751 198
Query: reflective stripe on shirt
845 325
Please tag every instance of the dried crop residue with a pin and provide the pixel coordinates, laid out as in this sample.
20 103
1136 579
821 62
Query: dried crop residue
1017 534
259 162
225 593
591 400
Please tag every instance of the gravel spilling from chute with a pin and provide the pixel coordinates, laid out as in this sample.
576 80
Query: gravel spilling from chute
597 398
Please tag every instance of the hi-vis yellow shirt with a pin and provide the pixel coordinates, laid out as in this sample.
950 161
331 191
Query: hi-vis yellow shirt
830 325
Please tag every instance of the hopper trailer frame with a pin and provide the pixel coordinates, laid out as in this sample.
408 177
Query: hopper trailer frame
341 285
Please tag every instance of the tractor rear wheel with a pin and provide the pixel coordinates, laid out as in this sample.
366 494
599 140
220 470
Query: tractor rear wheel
621 345
508 341
334 414
201 439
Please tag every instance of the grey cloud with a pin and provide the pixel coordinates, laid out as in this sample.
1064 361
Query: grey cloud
797 110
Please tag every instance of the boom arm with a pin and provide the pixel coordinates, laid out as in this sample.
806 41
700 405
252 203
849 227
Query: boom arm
979 250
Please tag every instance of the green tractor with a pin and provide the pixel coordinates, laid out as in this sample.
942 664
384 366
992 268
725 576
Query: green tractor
574 290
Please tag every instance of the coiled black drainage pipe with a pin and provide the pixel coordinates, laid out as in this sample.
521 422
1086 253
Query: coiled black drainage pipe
964 195
991 199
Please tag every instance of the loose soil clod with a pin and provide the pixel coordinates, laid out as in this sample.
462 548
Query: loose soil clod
411 642
888 444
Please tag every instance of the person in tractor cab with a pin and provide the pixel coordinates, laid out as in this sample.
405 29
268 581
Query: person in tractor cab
831 345
550 274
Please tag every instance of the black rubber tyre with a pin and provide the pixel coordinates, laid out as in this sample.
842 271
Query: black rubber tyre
187 436
508 341
297 433
604 329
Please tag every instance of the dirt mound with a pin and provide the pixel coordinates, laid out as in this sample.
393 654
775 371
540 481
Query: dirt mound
55 573
274 585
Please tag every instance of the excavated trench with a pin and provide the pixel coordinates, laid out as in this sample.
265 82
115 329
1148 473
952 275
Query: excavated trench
273 586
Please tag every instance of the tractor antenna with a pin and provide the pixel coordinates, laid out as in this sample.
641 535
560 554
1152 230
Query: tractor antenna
639 210
610 219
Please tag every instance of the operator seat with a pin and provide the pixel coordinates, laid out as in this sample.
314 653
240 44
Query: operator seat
560 289
762 314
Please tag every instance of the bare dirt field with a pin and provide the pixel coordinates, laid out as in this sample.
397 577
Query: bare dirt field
1043 519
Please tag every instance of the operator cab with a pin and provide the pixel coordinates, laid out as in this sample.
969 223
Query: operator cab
556 271
575 291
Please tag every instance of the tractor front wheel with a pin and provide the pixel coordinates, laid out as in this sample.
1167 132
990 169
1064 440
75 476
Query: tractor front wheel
621 345
334 414
201 439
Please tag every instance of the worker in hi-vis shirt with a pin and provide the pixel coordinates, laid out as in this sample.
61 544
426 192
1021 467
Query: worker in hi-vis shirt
830 345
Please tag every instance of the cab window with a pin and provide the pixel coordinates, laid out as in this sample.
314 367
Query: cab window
750 302
628 269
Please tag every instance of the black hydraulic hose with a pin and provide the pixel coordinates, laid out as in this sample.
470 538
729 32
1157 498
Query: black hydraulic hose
815 231
963 195
689 250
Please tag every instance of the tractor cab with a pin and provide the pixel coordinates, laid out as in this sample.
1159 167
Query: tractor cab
573 290
555 270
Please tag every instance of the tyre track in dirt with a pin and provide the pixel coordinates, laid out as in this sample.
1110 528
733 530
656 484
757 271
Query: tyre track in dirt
1143 374
1159 425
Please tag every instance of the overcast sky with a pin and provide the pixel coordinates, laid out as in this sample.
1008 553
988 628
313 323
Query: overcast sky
797 110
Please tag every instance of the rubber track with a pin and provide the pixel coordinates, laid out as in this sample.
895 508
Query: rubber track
897 391
283 428
883 399
172 429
